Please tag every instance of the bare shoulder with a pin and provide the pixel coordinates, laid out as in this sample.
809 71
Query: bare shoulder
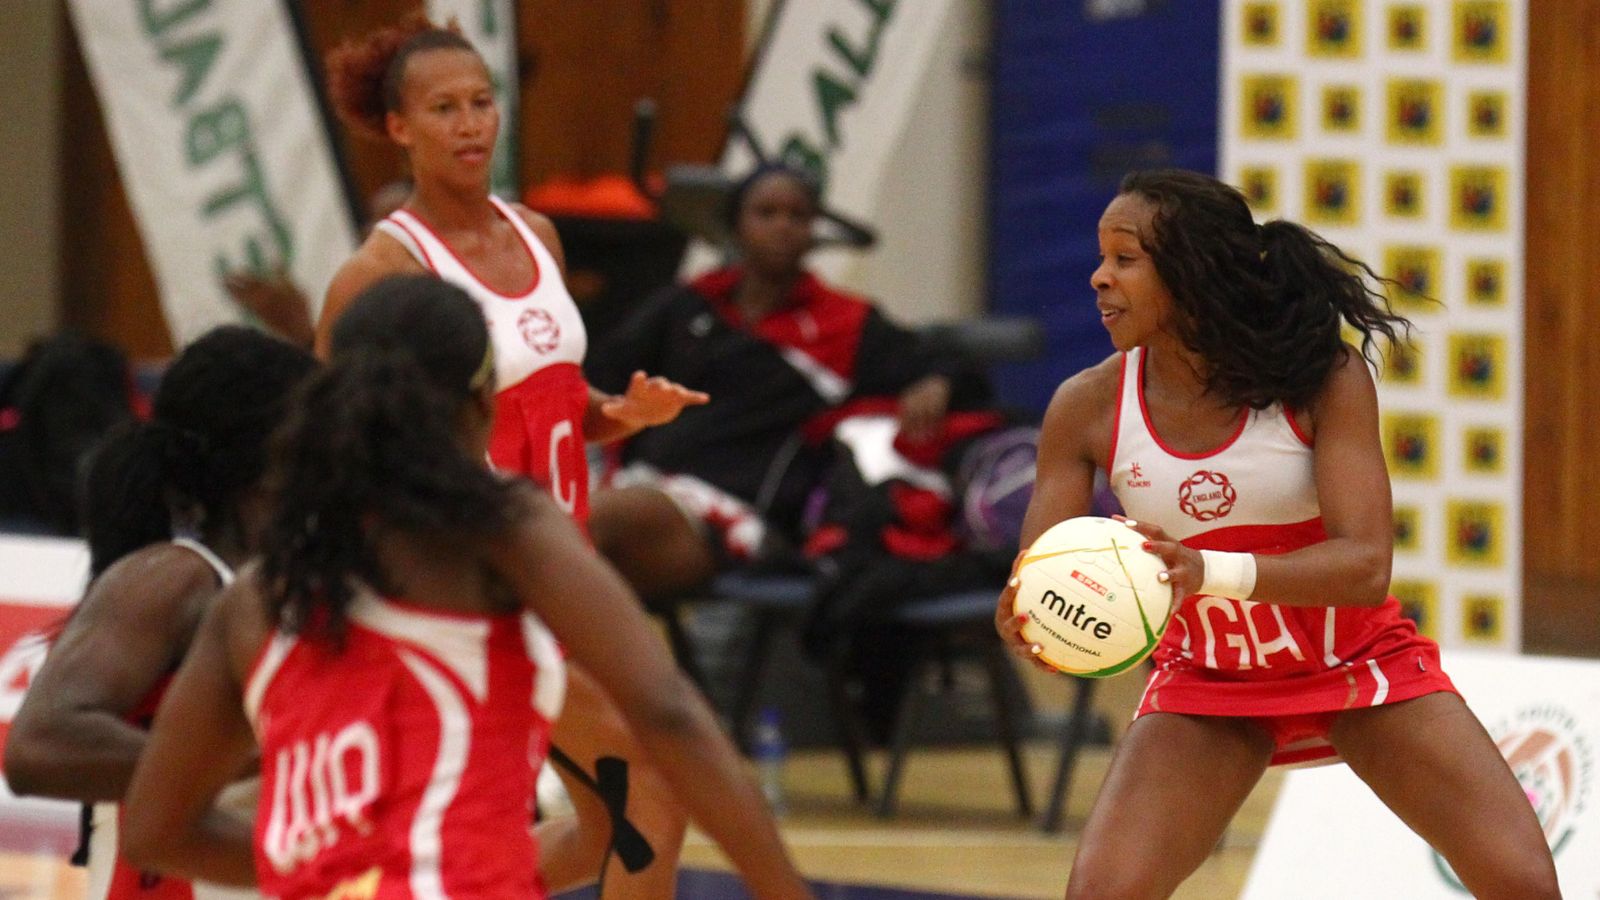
378 256
546 232
162 583
1348 387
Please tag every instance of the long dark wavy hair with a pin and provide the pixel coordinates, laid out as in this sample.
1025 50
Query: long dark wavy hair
1262 305
373 441
205 444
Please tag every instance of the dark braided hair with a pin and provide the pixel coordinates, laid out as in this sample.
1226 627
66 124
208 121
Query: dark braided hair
373 439
1262 305
203 447
365 74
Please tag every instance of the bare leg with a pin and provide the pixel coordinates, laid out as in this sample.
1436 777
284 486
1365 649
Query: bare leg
1174 784
1433 763
574 848
646 536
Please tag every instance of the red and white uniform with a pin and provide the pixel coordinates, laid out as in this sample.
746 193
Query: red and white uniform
402 765
539 344
111 877
1294 667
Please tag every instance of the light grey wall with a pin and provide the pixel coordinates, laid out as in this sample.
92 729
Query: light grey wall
29 178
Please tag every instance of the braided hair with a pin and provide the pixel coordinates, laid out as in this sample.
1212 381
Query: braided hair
1262 305
204 446
373 441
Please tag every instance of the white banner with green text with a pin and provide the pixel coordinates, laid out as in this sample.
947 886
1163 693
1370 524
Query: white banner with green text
223 148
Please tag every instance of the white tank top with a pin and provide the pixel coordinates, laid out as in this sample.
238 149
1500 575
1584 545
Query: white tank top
1256 492
533 330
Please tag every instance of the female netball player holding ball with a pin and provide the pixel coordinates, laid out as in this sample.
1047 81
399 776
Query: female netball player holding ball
173 505
425 89
1240 434
390 654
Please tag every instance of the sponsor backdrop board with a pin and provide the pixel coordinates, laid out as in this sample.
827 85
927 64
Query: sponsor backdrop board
1545 715
1395 129
40 580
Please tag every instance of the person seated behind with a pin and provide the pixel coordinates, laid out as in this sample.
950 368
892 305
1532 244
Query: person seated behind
783 355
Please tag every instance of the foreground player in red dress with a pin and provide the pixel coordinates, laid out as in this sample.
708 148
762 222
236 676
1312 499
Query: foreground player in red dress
1240 434
425 90
390 654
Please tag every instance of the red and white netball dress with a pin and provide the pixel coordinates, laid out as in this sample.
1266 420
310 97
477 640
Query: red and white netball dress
111 877
1294 667
401 765
539 343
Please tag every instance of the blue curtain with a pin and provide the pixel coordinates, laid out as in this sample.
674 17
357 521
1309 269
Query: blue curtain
1084 91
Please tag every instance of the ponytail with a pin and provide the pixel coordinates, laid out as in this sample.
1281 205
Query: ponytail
372 443
1262 305
124 494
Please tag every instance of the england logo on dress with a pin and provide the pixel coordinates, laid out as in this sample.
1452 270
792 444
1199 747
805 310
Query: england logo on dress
539 330
1207 496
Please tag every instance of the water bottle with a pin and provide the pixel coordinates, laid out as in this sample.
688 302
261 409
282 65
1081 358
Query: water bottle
769 750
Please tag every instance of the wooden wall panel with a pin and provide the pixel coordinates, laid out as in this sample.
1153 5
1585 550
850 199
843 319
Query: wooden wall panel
584 65
1561 509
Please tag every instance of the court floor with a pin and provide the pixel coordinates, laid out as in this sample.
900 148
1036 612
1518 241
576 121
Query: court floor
956 836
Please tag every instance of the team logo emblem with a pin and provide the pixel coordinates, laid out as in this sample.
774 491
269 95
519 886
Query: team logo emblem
1207 496
539 330
1553 757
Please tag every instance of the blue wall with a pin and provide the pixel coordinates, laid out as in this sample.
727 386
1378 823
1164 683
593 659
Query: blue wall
1079 99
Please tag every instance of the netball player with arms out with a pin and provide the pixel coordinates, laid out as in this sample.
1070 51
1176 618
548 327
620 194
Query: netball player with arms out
1240 434
173 506
425 89
390 654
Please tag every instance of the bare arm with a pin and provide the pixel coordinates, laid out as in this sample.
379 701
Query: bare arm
379 257
200 741
71 738
1351 567
1076 425
600 622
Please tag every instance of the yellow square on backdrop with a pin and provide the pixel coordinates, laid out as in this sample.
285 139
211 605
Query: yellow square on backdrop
1341 109
1415 111
1333 28
1486 114
1483 450
1267 106
1411 445
1419 602
1408 26
1474 533
1477 366
1483 617
1478 198
1407 529
1486 282
1260 26
1480 32
1259 184
1403 195
1416 269
1332 192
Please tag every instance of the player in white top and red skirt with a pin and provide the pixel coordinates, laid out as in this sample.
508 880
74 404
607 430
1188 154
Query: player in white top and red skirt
1240 433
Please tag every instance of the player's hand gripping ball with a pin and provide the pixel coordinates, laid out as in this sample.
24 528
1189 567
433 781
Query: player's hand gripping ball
1092 598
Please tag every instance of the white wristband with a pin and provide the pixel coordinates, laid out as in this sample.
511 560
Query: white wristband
1231 575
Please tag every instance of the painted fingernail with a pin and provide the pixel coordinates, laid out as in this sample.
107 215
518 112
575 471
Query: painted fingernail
1163 577
1148 547
1015 582
1129 522
1036 649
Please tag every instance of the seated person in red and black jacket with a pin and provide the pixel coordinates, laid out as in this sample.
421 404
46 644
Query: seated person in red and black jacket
783 356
